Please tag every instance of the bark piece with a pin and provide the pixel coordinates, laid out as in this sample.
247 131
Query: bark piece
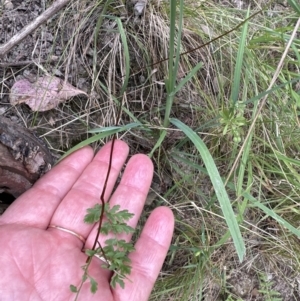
23 158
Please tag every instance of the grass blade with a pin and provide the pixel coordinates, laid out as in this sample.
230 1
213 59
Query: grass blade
104 133
239 63
271 213
126 52
177 58
117 128
188 77
118 102
295 5
96 34
170 82
218 186
171 64
159 142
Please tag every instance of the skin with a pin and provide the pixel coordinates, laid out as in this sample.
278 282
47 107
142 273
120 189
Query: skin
40 264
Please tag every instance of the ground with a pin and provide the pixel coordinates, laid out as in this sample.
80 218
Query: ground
66 47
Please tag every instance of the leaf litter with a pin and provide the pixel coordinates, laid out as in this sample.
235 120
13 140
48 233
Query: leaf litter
44 94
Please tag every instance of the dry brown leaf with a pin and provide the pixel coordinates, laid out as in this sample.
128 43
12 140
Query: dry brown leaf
43 95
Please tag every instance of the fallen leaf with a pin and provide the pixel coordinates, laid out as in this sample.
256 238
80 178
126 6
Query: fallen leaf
43 95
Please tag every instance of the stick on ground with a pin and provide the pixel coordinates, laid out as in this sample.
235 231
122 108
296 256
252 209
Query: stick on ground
46 15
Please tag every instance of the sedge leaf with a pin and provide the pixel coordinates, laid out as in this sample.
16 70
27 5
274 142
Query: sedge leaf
218 186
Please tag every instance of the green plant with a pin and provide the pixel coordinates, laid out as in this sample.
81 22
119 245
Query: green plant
115 252
230 298
233 122
266 289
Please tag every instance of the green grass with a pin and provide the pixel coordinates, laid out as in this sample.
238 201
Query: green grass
211 121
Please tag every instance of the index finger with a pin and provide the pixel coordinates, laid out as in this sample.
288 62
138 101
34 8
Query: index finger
36 206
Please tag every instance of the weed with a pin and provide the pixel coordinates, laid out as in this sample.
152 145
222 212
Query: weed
266 289
115 252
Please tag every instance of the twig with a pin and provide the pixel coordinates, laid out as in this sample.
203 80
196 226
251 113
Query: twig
24 63
29 28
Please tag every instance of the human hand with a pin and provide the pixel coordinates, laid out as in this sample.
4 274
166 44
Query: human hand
40 263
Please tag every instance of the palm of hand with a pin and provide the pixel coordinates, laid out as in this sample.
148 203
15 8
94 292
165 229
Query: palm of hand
40 270
40 264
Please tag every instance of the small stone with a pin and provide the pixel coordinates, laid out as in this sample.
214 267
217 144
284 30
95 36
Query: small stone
81 84
57 72
139 7
2 110
8 5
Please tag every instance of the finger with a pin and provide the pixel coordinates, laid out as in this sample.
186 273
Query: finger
130 194
36 206
86 192
148 257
